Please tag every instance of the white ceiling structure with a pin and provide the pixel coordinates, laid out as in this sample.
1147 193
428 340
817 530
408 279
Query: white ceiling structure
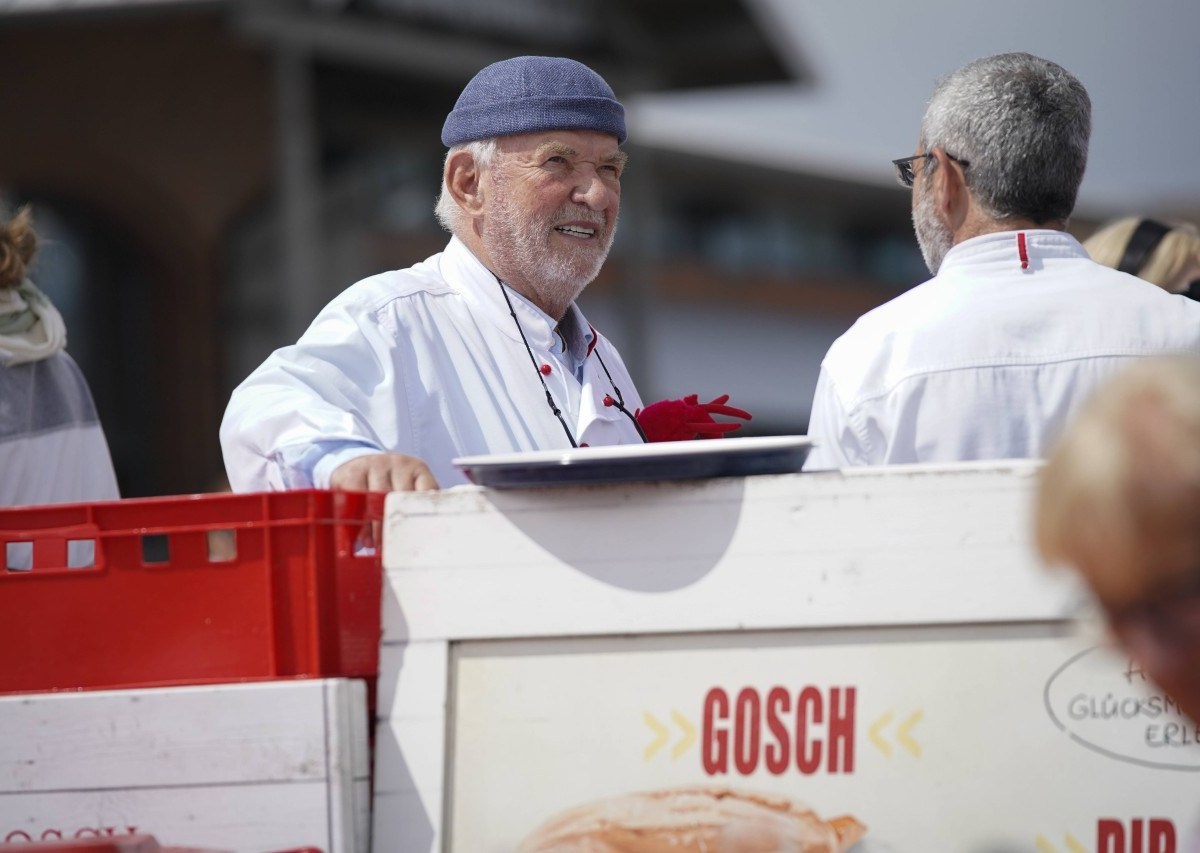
875 63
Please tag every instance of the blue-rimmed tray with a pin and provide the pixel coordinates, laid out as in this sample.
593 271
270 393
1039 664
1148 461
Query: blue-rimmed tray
631 463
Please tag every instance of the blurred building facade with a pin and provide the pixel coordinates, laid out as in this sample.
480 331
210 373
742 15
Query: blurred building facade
208 175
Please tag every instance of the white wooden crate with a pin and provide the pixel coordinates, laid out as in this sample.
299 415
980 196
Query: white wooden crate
507 613
242 767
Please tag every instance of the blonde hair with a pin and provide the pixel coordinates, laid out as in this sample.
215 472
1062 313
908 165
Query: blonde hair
1122 488
18 245
1166 263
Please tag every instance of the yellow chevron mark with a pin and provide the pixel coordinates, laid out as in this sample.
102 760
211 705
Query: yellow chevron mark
873 733
689 734
1073 845
660 735
903 736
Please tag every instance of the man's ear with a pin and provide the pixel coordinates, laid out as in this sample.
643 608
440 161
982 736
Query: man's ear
464 182
949 189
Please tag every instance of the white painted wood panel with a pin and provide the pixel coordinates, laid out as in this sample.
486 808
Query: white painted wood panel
701 562
410 746
254 766
758 553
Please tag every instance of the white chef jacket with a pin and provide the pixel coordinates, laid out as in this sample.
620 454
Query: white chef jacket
988 360
52 447
425 361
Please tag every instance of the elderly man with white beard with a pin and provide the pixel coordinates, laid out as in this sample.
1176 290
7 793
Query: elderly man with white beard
479 349
991 357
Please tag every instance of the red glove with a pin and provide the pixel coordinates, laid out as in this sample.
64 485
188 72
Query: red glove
686 419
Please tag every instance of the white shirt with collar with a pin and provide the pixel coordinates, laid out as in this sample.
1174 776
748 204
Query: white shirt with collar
429 362
991 357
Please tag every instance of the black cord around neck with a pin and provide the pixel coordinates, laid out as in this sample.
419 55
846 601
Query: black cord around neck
618 400
549 397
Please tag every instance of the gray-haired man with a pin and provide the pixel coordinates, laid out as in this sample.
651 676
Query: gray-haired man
992 356
480 348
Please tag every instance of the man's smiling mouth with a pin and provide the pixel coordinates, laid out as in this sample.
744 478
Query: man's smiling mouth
577 231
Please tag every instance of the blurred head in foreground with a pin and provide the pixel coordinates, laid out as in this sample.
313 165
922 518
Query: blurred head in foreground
1163 254
1119 500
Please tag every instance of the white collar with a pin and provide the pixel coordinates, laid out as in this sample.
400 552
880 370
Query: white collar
1006 247
481 286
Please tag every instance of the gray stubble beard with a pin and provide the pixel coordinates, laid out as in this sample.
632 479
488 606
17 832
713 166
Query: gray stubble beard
934 238
518 242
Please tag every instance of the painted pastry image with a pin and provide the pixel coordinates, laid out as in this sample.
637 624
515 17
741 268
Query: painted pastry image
694 820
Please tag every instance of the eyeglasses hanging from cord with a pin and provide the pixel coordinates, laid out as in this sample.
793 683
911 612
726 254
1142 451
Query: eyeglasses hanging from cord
615 399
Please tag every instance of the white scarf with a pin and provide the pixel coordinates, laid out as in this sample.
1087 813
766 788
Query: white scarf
31 329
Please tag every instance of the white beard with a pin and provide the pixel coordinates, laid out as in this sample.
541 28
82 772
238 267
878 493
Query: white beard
934 238
520 243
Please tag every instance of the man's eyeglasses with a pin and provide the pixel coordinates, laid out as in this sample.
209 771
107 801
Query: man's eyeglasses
904 166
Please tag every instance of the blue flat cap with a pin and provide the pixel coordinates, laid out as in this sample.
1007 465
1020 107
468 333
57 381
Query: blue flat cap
533 93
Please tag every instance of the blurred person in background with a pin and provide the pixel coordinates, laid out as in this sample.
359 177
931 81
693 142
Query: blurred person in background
480 349
1166 255
1119 500
52 448
991 357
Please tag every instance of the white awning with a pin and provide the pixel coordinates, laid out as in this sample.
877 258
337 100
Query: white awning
875 65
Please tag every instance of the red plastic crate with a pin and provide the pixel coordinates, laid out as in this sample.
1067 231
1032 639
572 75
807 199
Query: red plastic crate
190 590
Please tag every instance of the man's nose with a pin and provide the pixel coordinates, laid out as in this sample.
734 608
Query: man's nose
593 191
